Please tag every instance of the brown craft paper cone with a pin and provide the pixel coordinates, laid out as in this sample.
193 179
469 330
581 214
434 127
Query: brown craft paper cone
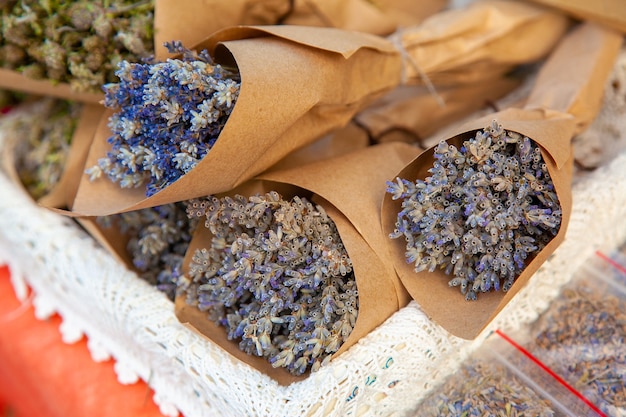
566 96
62 195
346 188
298 84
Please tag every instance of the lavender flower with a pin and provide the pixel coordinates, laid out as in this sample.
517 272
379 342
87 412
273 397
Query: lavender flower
158 240
276 276
485 210
168 116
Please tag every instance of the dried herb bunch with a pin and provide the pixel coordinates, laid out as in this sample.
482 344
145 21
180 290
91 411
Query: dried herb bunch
42 138
484 210
158 240
167 117
276 276
484 387
79 42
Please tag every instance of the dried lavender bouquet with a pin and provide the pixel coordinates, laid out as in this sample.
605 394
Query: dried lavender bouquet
75 42
276 276
484 208
302 256
167 116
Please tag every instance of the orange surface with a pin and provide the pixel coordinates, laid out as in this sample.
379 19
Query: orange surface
40 376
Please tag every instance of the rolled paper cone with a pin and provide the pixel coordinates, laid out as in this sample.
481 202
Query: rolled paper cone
335 184
552 115
59 196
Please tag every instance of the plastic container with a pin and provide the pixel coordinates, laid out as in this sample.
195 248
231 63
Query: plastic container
499 380
581 339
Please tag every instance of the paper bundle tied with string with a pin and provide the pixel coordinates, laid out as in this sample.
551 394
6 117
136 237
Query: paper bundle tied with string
481 211
491 38
257 296
296 84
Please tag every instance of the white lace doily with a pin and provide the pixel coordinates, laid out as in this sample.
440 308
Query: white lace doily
385 374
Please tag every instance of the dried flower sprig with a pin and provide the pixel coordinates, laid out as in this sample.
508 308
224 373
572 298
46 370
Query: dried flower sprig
276 276
79 42
158 240
168 116
484 210
42 137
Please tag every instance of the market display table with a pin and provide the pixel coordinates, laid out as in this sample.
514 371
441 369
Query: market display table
42 376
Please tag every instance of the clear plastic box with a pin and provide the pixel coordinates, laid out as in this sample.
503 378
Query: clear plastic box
499 380
581 338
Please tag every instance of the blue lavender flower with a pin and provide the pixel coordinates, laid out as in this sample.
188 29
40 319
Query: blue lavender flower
276 276
167 117
484 211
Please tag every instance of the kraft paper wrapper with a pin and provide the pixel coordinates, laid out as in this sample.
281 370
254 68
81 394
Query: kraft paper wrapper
349 193
191 21
298 84
588 53
611 13
414 110
458 45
